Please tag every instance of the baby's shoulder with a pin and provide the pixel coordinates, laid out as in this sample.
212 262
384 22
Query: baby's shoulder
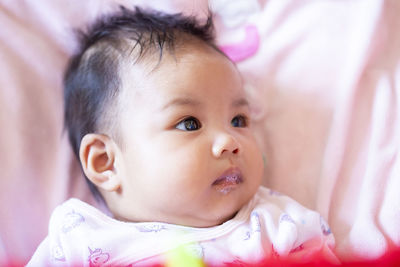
282 215
293 230
276 202
67 216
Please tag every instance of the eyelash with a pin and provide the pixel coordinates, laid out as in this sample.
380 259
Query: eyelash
193 124
187 122
245 121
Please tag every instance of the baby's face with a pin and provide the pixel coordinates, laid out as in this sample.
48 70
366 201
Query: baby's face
188 156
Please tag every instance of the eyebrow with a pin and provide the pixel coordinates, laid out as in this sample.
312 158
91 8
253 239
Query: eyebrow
240 102
183 101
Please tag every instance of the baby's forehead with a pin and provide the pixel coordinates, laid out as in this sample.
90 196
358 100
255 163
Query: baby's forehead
152 55
183 72
135 70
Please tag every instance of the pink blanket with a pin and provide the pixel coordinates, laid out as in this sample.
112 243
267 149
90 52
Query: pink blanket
323 77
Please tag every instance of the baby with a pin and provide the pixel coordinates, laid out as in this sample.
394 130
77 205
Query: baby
159 119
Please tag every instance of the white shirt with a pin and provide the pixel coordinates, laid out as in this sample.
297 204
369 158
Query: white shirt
269 226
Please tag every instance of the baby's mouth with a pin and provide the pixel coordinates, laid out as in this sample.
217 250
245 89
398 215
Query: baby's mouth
228 181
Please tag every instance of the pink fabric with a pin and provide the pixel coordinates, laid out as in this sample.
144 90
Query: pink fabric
245 48
325 87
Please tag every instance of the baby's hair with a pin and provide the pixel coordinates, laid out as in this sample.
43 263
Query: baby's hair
92 81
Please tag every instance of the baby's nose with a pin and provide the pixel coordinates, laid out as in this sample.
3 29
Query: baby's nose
225 144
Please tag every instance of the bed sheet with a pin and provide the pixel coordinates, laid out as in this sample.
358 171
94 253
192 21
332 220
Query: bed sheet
323 77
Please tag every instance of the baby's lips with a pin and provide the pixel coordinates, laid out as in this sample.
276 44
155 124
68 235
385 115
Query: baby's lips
228 181
232 174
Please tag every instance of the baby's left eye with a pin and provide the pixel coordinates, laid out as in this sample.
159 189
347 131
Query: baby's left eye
189 124
239 121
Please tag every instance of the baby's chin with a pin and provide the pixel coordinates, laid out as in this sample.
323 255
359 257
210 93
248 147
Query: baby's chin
206 223
218 214
205 219
217 217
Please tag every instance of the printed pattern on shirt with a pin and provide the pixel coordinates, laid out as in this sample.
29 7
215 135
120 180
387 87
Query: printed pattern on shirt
58 253
151 228
97 257
72 220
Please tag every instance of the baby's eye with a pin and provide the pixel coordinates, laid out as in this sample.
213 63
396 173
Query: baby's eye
239 121
189 124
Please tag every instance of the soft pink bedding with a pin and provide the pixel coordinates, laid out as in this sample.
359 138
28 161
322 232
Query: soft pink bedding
323 76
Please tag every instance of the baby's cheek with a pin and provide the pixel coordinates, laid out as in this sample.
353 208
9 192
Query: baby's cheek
255 161
183 173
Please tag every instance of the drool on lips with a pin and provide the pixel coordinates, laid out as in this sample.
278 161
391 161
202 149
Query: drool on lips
227 183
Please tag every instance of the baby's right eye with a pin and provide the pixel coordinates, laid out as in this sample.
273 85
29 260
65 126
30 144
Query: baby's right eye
189 124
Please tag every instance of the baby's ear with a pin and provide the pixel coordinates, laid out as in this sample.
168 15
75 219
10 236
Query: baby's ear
97 154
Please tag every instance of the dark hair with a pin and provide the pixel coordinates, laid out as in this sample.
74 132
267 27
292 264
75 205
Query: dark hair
92 82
